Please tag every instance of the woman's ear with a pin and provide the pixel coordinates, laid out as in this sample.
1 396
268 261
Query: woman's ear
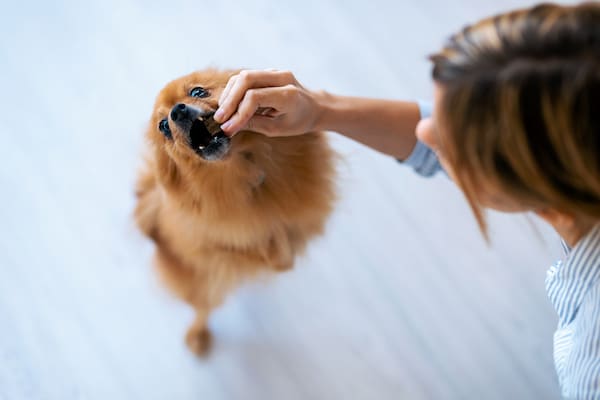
425 134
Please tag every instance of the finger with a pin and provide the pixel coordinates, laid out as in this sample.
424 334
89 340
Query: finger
272 99
219 115
249 105
266 78
250 79
227 89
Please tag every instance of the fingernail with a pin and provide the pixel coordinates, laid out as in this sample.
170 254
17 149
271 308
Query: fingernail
218 115
226 125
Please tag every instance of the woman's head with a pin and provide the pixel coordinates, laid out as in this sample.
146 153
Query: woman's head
517 113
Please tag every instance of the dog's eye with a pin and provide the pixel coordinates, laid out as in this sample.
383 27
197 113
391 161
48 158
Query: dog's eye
163 126
199 92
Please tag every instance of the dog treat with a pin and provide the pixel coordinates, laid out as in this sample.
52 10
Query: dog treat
212 126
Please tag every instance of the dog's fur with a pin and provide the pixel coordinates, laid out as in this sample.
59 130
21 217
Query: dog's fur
218 222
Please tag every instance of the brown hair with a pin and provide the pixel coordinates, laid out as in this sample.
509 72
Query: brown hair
520 107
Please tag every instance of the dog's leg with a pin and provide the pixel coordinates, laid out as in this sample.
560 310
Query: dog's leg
186 284
205 286
148 203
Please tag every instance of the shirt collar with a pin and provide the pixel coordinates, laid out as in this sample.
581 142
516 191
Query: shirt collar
570 280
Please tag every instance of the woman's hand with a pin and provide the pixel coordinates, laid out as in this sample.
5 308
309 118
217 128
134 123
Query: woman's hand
267 101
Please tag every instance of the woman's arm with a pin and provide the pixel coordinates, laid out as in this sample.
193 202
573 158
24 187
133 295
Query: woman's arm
276 104
387 126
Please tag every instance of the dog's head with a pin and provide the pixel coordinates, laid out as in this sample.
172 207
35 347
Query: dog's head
182 106
224 178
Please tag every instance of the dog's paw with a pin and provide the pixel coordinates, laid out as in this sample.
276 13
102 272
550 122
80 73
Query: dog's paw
280 254
283 266
199 341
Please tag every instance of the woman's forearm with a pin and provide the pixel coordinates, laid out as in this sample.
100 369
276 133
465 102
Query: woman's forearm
387 126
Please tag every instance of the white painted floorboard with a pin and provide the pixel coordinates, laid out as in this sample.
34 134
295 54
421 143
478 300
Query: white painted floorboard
401 299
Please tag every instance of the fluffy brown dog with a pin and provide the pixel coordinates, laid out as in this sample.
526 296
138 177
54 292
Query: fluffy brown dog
222 210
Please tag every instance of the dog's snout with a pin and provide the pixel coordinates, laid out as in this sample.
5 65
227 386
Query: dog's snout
180 111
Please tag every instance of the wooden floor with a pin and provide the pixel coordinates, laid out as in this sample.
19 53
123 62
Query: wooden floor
401 299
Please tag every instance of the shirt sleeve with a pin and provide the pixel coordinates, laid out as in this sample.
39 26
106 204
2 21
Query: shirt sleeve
422 159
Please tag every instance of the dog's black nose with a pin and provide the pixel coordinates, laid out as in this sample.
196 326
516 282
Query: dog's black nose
180 111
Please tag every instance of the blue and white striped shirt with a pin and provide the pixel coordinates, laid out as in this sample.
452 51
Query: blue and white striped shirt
573 285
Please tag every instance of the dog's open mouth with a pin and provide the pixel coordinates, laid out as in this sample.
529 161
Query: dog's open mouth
201 132
200 137
207 143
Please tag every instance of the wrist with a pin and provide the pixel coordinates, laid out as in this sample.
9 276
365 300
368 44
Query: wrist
324 110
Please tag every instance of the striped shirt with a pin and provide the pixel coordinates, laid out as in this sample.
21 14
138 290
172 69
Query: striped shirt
573 285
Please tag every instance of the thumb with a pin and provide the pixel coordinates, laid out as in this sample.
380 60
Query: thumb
262 124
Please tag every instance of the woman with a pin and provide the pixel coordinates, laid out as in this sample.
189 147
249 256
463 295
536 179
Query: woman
515 123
